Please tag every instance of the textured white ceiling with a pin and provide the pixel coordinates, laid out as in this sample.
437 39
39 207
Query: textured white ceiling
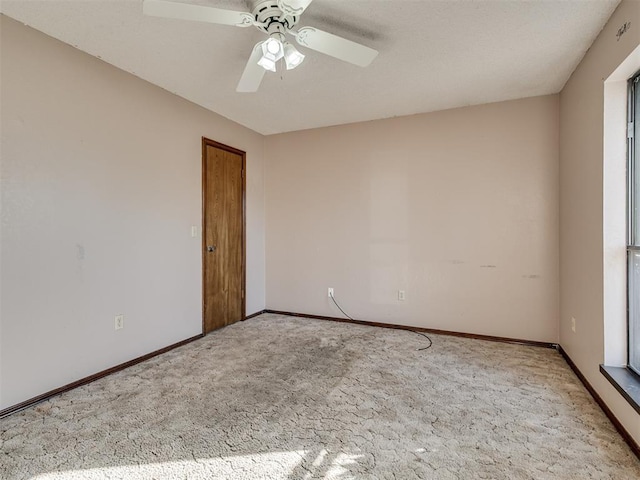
434 55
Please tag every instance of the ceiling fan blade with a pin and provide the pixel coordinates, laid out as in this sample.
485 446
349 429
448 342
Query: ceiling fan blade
198 13
293 7
253 73
335 46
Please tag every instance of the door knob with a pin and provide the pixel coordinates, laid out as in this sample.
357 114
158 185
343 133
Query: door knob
211 248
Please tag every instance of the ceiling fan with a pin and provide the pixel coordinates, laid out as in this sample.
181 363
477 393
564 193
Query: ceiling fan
275 18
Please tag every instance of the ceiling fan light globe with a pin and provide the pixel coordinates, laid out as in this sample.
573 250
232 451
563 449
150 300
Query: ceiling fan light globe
292 56
272 49
267 64
273 46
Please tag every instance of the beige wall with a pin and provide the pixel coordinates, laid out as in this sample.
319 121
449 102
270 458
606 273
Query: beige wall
581 205
100 186
457 208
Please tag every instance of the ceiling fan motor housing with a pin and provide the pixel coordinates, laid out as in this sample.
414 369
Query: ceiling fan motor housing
271 18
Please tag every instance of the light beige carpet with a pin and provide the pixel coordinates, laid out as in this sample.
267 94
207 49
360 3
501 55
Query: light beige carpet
286 398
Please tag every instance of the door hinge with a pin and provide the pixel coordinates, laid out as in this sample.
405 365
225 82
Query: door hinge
243 173
242 293
630 129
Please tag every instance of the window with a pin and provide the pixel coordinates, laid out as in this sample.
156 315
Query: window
633 209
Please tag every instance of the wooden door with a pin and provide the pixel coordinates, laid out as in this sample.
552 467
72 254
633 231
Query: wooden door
223 235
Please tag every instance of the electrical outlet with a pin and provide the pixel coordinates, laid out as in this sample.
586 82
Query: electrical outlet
119 323
330 292
573 325
401 295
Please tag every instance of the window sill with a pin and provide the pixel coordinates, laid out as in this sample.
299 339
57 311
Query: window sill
626 382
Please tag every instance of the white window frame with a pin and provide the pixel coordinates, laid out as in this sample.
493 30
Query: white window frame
633 224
